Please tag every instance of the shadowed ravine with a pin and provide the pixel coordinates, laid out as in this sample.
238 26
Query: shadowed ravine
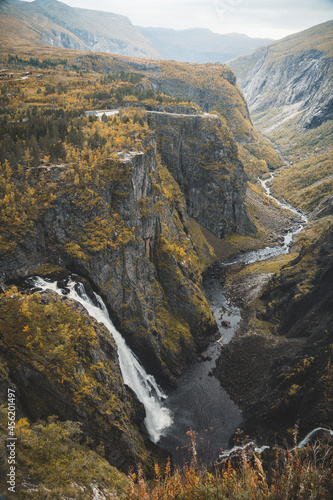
200 403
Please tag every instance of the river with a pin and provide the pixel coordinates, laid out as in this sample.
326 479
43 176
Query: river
270 252
199 402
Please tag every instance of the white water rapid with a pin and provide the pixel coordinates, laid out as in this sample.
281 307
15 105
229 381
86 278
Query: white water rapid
228 453
269 252
134 375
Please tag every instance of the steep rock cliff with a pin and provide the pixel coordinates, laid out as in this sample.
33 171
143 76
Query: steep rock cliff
294 72
130 237
201 155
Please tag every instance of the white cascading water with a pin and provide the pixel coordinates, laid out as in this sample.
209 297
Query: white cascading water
134 375
283 205
227 453
309 436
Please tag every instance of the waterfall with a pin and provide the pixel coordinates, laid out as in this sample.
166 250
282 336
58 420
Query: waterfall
134 375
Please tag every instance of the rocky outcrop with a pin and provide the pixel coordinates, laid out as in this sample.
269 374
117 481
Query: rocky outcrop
213 87
202 158
294 72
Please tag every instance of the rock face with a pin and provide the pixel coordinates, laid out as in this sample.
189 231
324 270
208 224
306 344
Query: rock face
295 72
202 158
213 87
150 276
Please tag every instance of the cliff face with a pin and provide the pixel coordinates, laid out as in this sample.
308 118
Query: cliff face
131 235
134 245
213 87
202 157
294 72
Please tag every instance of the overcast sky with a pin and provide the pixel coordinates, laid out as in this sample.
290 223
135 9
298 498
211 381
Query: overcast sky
256 18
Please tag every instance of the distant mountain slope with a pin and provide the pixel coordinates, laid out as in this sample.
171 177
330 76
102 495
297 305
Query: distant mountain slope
289 88
296 72
200 45
53 23
49 22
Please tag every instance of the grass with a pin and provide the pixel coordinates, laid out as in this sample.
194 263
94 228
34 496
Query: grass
309 181
52 463
292 474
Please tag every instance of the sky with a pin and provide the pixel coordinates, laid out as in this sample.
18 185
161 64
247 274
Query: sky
256 18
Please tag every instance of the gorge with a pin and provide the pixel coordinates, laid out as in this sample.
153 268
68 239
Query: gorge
198 403
138 180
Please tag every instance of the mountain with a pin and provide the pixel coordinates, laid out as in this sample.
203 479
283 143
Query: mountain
289 90
199 45
133 203
292 75
49 22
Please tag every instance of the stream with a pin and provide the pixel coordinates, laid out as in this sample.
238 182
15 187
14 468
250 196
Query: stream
269 252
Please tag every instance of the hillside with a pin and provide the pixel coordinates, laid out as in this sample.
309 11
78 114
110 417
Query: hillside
294 72
53 23
25 25
199 45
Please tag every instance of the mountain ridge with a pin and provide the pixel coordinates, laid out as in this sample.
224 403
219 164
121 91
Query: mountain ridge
294 70
57 24
199 45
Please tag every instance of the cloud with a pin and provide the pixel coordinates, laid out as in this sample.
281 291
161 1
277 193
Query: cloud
269 18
